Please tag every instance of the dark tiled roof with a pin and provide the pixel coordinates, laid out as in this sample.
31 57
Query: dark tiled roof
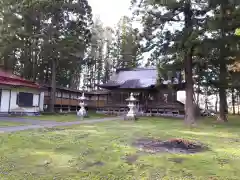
110 83
98 92
134 78
132 83
63 88
93 92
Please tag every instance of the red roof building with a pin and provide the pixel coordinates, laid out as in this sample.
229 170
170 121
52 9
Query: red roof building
10 79
19 96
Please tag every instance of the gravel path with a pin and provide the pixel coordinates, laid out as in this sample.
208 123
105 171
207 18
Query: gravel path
36 124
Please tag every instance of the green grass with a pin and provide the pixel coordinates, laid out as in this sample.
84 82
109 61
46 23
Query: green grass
8 123
66 117
98 151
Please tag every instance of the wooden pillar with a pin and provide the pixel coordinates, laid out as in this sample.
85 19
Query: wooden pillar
121 98
76 100
146 100
107 97
61 101
143 100
69 102
238 101
77 107
98 101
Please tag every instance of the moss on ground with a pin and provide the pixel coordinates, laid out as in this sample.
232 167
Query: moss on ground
105 151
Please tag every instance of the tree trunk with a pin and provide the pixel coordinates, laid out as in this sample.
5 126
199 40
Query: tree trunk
46 79
216 103
206 98
238 98
223 73
206 103
190 107
198 94
233 102
75 79
34 60
222 92
222 107
53 86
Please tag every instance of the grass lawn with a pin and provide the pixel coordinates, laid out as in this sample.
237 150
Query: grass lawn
105 151
7 123
66 117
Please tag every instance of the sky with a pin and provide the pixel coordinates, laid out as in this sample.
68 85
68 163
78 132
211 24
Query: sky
110 11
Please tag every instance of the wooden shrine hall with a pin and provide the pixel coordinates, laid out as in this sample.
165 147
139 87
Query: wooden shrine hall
154 99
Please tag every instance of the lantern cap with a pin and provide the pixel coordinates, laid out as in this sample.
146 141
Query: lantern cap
82 97
131 98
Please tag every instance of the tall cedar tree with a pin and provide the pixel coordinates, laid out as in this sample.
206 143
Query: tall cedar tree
189 15
127 52
45 36
221 25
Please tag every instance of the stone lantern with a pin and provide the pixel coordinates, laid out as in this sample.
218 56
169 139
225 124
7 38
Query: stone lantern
82 111
131 115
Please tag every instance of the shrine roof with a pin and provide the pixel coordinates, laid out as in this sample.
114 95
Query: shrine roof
98 92
136 78
60 88
71 90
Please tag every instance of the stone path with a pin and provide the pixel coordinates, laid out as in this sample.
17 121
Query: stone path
36 124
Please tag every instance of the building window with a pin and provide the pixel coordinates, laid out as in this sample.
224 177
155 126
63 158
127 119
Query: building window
59 94
65 95
24 99
74 96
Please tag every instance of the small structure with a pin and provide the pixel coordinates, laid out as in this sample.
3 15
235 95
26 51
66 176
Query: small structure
19 96
97 98
68 99
65 98
131 115
82 111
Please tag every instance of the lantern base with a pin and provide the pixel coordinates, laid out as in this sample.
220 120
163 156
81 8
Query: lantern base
134 118
82 112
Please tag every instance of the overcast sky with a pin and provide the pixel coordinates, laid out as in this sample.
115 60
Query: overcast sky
110 11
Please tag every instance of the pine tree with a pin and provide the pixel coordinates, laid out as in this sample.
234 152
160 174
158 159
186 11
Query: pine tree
127 52
222 25
108 62
44 38
178 44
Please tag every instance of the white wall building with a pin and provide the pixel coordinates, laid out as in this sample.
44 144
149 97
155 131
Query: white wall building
19 96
